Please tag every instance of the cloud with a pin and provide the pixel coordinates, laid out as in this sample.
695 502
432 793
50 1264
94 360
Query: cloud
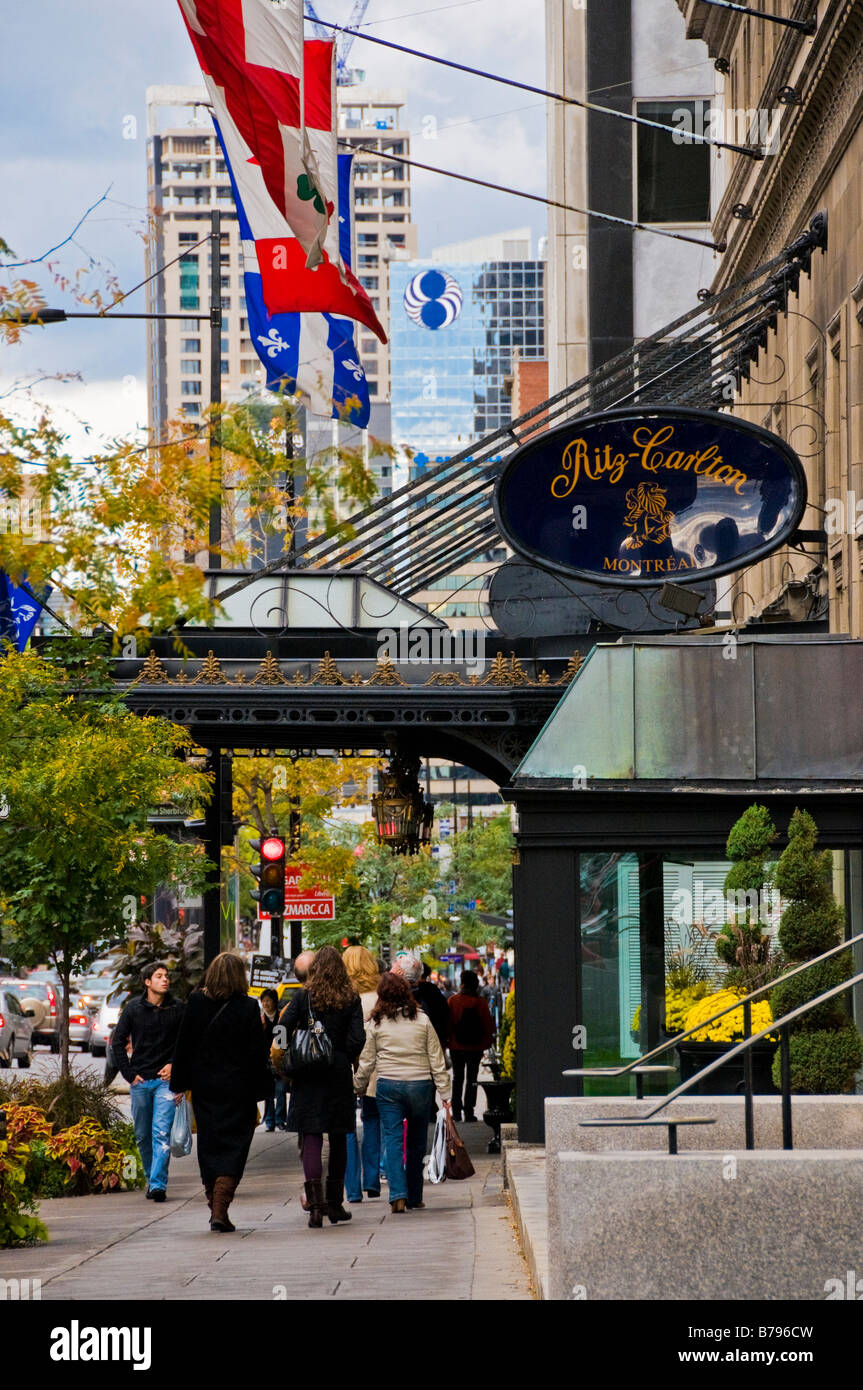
90 414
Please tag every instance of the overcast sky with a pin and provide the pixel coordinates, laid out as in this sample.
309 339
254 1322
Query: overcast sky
74 72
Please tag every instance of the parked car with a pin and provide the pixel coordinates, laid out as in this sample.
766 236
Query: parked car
92 990
105 965
80 1028
43 999
16 1030
104 1024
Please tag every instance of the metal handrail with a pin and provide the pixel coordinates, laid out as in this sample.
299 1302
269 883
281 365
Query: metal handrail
705 1023
780 1024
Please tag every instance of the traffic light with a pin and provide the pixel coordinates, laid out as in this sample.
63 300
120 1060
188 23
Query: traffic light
270 873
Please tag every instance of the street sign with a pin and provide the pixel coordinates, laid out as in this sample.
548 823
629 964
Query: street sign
636 495
450 955
306 904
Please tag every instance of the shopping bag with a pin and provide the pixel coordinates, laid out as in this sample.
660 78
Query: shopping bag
181 1130
437 1157
457 1162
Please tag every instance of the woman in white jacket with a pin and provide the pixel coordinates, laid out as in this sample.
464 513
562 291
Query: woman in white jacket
402 1049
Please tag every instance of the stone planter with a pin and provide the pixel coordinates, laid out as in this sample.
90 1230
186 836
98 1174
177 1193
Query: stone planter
727 1080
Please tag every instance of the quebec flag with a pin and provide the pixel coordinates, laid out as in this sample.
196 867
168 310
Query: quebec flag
19 611
312 353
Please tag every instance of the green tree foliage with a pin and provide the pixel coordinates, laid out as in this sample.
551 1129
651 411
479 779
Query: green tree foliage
79 774
482 863
826 1048
180 949
267 789
380 896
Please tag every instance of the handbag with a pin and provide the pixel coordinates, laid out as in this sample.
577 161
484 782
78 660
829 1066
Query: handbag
457 1164
437 1157
181 1130
311 1048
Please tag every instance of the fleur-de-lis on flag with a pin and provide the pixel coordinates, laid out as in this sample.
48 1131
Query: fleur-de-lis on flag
354 368
273 342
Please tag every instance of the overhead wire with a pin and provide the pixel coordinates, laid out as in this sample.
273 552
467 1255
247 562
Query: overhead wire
747 150
538 198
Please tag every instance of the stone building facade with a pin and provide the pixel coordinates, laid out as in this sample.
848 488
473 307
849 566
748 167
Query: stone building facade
806 384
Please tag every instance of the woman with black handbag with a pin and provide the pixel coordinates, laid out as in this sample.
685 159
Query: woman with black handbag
221 1057
323 1036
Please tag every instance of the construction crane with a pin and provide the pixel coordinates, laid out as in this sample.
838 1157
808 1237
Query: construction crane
345 76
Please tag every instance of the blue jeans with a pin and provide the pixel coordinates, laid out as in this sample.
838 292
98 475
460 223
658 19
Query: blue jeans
152 1115
364 1165
411 1101
276 1108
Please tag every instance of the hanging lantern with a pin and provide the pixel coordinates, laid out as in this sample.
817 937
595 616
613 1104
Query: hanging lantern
402 814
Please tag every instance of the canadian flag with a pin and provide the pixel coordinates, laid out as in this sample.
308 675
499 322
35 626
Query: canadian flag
251 57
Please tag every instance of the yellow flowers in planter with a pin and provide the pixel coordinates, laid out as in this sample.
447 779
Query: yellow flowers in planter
729 1028
678 1002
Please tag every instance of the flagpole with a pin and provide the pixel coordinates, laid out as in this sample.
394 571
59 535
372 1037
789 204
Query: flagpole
215 529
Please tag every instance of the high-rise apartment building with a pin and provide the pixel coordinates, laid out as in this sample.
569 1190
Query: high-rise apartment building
187 178
374 122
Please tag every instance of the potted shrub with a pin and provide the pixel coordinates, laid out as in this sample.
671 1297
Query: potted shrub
826 1047
744 948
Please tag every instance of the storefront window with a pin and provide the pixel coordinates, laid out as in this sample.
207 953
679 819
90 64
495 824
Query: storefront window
647 925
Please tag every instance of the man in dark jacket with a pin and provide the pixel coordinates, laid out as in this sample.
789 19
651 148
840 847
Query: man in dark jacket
427 995
151 1021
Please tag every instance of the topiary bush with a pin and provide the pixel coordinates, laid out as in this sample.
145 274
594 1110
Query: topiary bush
823 1062
826 1048
744 945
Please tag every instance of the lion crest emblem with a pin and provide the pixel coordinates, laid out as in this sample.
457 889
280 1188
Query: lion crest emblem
648 516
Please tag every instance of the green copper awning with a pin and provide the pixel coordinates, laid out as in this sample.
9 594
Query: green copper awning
690 709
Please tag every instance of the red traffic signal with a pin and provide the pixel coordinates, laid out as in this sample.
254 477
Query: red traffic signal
270 873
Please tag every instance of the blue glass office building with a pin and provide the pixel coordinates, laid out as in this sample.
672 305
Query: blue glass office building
453 331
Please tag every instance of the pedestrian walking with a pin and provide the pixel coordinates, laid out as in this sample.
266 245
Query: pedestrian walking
403 1049
471 1032
364 1164
427 995
322 1097
221 1057
150 1022
276 1108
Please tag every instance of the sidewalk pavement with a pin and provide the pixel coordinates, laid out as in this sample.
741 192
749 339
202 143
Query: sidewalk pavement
120 1246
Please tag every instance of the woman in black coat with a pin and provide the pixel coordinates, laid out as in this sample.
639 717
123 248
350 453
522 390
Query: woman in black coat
221 1057
322 1098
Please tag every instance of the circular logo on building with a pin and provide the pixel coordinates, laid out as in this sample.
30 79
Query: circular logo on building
433 299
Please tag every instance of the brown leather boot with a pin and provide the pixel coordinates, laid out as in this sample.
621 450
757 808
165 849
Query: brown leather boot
315 1196
208 1193
335 1197
223 1192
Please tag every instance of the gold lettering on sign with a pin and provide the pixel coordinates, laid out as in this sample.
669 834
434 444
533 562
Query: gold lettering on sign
652 454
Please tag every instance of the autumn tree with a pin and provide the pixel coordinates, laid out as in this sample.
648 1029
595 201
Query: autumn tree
79 776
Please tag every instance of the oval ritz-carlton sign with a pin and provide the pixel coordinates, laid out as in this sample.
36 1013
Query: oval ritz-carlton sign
631 497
